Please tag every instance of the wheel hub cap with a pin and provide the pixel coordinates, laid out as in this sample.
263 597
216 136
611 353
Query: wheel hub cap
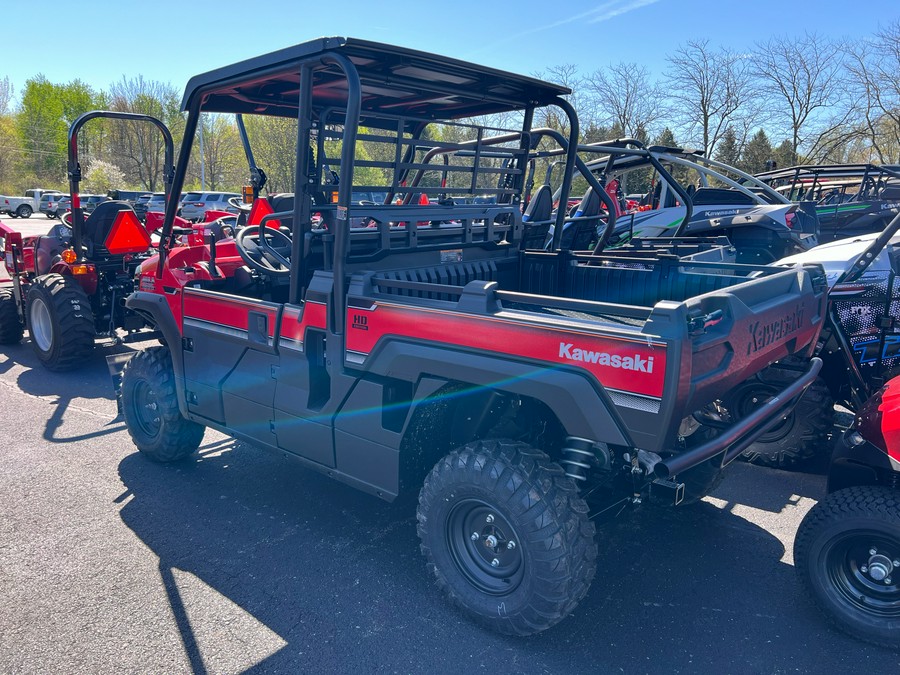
483 545
880 567
40 325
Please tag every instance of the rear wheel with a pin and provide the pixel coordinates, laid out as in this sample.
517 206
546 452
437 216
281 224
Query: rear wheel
506 536
24 211
150 406
60 321
11 329
847 556
801 435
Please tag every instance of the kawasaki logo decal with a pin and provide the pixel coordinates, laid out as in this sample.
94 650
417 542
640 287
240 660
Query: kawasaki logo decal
636 363
764 334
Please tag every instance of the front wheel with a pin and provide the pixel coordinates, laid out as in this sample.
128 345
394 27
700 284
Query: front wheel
506 536
60 321
150 406
847 556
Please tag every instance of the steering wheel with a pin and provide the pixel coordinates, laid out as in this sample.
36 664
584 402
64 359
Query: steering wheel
239 204
272 259
222 227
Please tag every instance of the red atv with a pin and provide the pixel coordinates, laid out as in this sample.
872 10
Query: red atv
847 550
69 285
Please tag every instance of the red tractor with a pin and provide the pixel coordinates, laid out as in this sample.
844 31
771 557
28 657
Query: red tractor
69 285
847 550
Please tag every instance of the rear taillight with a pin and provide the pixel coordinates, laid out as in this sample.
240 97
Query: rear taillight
790 219
199 204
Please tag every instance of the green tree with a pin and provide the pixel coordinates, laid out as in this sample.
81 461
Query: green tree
728 151
42 129
757 152
784 155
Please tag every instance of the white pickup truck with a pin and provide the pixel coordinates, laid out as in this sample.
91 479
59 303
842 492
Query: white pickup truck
23 207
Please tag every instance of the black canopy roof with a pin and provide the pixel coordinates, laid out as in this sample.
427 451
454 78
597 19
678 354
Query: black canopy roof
394 80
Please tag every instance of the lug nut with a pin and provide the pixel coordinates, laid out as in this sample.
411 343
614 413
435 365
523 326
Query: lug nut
474 536
887 580
897 563
495 562
510 545
873 551
490 519
864 569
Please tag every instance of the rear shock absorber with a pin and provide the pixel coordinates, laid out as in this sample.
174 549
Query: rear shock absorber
578 457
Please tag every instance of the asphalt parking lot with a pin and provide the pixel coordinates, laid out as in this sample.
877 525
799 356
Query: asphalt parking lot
243 561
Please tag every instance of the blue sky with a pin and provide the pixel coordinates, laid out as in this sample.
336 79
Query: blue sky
170 41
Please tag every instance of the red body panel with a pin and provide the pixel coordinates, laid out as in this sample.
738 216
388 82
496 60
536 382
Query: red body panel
879 419
226 311
628 365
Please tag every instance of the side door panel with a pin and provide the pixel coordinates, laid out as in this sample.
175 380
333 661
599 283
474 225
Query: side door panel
301 423
230 357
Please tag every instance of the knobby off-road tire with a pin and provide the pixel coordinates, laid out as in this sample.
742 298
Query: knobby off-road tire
151 411
11 328
60 322
506 536
802 435
834 545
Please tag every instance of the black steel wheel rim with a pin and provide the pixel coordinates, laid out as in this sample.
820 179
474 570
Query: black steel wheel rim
858 575
484 547
747 401
146 409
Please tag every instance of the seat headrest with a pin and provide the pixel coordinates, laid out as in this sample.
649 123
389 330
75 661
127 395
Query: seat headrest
589 205
540 207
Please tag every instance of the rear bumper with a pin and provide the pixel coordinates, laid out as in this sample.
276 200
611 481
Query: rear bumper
739 436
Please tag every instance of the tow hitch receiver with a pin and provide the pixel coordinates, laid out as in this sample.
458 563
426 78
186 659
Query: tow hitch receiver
664 491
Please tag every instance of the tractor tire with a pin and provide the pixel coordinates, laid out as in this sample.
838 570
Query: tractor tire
507 536
11 328
60 322
150 406
800 437
856 589
24 211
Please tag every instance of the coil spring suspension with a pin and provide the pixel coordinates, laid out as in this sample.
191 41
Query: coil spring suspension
578 458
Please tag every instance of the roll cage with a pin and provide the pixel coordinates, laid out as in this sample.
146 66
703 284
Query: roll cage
828 184
346 91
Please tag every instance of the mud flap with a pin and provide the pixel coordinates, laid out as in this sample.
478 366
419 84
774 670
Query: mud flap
116 364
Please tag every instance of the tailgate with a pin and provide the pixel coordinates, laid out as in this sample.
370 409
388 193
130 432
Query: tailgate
738 331
719 339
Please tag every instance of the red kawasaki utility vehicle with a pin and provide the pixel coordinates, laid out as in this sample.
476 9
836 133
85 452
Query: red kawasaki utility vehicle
69 285
420 346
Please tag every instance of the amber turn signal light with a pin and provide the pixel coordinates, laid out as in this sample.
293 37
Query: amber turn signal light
69 256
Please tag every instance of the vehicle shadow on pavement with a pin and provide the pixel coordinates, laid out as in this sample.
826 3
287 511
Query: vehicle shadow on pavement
88 384
323 577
